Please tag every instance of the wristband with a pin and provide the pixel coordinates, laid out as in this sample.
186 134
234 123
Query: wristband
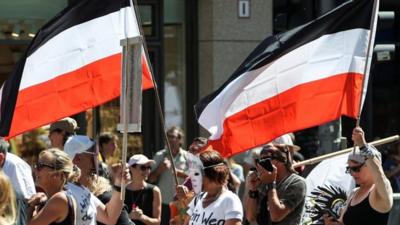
117 188
253 194
364 147
271 186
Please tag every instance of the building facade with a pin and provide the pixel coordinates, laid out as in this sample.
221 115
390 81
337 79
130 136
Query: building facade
195 45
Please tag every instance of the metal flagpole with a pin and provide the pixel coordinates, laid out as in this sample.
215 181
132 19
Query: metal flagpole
344 151
368 57
158 101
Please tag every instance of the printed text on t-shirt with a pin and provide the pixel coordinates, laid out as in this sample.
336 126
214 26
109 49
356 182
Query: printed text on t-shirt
206 220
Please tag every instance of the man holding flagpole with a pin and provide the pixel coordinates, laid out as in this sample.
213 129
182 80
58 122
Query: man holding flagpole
371 202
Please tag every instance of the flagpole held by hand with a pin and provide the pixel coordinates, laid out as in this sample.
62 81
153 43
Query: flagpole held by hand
157 96
367 67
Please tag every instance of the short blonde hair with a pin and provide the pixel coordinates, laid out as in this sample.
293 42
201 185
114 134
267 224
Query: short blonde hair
7 200
98 185
63 163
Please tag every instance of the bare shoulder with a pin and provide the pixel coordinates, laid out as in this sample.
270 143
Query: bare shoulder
156 189
59 197
379 203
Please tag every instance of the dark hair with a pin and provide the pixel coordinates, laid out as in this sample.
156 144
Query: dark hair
179 131
3 146
105 137
285 157
230 183
65 134
202 140
214 168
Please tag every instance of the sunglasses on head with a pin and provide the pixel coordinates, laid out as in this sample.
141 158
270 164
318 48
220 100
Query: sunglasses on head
41 165
354 169
142 167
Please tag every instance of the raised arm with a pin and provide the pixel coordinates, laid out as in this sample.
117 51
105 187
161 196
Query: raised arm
382 194
109 213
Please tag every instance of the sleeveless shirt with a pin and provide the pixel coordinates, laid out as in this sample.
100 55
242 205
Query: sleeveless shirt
143 199
70 219
364 214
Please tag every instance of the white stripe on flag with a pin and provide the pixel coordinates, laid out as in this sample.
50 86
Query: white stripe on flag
324 57
78 46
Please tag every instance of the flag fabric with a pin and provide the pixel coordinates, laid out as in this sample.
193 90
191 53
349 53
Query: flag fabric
72 64
328 187
301 78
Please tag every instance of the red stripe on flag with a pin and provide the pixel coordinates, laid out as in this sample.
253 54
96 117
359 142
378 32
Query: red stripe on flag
71 93
301 107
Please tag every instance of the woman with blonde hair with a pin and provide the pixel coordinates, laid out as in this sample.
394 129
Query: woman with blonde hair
7 201
53 170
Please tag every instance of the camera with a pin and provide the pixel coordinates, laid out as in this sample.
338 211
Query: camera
265 163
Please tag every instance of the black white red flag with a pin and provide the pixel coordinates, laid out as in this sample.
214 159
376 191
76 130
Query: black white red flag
72 64
301 78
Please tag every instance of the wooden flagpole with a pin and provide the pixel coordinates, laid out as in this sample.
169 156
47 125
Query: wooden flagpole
158 101
344 151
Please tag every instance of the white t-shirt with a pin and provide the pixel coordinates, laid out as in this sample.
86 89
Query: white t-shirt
87 204
227 206
20 174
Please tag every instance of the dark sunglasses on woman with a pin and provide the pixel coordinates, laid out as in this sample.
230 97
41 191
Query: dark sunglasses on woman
142 167
41 165
354 169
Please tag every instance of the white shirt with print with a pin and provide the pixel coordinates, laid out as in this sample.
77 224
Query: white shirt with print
227 206
87 204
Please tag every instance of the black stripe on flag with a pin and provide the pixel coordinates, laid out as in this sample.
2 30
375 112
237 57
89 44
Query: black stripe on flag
79 11
9 97
350 15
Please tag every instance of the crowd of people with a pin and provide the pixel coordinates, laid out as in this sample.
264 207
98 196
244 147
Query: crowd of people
71 183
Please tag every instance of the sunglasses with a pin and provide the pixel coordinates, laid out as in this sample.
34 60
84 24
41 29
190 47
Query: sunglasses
354 169
142 167
41 165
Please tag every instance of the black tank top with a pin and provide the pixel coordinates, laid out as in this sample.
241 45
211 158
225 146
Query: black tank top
141 198
364 214
70 219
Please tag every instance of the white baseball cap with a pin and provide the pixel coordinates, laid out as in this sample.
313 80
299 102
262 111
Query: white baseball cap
77 144
139 159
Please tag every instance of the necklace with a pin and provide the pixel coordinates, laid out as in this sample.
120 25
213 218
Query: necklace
211 198
136 198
